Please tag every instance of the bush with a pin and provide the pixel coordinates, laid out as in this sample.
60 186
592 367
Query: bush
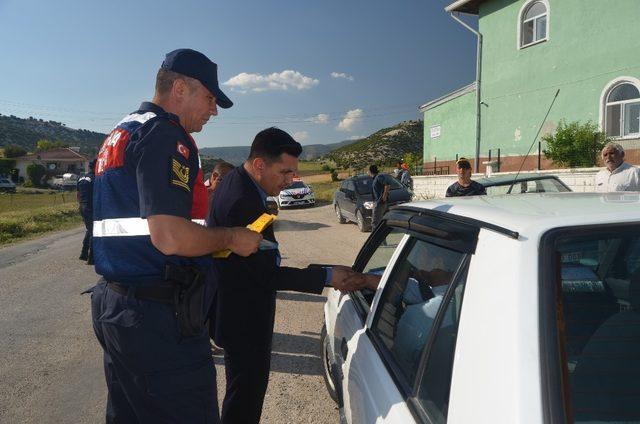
35 172
14 151
334 175
575 144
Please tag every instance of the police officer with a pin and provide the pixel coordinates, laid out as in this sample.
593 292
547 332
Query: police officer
149 309
85 204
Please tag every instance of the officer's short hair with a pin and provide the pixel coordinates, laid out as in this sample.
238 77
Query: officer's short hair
373 169
269 144
614 146
165 79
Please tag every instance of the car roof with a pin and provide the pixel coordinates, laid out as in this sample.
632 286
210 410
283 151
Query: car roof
534 213
508 179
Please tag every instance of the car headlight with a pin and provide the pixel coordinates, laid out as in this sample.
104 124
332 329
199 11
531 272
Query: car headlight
368 205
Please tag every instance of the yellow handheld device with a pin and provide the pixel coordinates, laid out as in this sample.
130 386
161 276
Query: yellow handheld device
258 226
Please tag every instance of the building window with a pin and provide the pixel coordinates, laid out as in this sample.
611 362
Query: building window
622 111
534 23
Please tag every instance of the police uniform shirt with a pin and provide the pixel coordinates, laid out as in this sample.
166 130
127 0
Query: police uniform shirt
150 167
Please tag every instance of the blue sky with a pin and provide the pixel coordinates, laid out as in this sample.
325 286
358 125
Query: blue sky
88 63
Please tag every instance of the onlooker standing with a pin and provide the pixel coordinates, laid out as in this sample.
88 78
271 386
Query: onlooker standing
221 169
85 204
405 177
465 186
380 187
617 175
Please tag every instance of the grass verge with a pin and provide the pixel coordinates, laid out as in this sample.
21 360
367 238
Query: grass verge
324 190
24 224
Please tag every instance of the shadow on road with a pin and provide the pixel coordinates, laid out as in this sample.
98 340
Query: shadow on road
301 297
292 354
287 225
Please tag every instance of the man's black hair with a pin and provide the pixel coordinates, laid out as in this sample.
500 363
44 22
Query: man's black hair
269 144
373 169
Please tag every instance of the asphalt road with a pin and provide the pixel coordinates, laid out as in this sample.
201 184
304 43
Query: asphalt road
51 364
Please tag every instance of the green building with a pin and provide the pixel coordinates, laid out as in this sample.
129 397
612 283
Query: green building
587 49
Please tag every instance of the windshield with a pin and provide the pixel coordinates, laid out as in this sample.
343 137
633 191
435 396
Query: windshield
547 185
296 184
598 320
364 185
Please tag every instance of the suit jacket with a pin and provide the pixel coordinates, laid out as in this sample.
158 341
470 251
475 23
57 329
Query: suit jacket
247 288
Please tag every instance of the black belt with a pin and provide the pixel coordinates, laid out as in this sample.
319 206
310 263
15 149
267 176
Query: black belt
162 293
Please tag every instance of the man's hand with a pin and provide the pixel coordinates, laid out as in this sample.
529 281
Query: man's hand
243 241
347 280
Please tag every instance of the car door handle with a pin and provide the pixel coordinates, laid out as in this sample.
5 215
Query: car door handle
343 348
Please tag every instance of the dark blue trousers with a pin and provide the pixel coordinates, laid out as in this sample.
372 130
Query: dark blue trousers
87 217
152 375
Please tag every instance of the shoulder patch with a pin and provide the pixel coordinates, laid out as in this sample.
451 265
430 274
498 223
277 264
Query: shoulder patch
179 175
183 150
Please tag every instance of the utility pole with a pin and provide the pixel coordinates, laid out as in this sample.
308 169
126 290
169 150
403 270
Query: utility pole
478 86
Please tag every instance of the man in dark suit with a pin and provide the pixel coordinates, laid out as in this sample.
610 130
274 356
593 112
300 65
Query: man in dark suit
247 286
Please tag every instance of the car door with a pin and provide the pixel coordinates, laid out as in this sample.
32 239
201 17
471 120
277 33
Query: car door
353 308
398 365
350 200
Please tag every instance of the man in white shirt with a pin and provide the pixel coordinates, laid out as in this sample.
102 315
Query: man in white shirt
617 175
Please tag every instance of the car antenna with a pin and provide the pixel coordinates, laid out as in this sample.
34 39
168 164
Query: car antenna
534 141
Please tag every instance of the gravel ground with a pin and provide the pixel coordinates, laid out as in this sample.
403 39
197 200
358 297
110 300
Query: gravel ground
50 362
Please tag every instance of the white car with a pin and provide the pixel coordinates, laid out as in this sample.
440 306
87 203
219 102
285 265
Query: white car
7 185
506 309
297 194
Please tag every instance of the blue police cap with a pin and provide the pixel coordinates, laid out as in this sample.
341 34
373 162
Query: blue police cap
191 63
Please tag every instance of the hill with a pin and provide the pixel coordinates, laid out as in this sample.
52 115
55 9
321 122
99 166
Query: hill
27 132
237 154
384 147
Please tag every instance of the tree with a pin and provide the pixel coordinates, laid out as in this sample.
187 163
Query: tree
14 151
575 144
6 165
44 144
35 172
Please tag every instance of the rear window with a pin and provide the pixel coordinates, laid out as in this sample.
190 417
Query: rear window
597 317
547 185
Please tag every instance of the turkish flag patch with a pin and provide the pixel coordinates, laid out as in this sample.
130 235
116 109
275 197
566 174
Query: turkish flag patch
183 150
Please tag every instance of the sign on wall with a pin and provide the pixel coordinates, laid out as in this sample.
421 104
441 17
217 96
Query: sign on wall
435 131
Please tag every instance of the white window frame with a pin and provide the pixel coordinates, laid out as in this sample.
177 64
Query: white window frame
523 10
603 106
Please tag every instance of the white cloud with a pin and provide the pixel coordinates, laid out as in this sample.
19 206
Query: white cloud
341 75
283 81
356 137
301 136
321 118
350 120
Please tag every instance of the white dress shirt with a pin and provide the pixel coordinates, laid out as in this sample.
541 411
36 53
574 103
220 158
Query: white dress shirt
624 178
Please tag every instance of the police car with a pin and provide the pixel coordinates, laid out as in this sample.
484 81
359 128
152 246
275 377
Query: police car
297 194
509 309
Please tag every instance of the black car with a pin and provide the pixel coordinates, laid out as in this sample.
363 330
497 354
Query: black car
524 183
353 201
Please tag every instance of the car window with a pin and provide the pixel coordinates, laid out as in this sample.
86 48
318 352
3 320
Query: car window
364 185
344 184
377 262
435 383
296 184
351 186
381 256
545 185
597 290
410 302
